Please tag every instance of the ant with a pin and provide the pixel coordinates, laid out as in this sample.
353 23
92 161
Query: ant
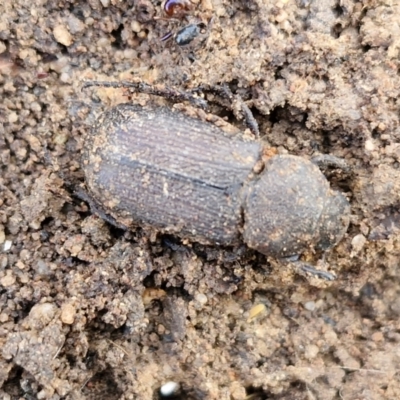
178 10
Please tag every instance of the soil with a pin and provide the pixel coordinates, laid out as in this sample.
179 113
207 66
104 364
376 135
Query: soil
89 311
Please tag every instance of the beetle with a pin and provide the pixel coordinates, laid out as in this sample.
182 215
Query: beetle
157 167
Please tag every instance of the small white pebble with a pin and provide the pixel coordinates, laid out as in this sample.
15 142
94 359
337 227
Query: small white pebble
8 280
3 47
201 298
136 27
369 145
311 351
103 42
357 243
65 77
130 54
7 245
169 389
310 305
13 117
62 35
68 313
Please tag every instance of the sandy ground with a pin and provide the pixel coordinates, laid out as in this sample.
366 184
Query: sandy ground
88 311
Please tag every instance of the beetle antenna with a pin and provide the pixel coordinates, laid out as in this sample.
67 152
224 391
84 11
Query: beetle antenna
174 95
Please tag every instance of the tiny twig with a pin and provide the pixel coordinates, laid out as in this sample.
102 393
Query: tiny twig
58 350
365 369
85 383
119 347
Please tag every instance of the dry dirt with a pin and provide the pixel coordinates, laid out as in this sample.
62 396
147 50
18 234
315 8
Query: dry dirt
88 311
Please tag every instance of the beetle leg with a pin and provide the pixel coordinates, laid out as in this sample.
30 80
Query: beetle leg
174 95
240 109
248 116
304 267
307 268
96 209
238 106
330 161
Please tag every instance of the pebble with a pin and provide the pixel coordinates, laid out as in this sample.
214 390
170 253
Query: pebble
41 315
8 280
136 26
377 337
369 145
201 298
62 35
311 351
68 314
358 243
309 305
12 117
3 47
256 310
169 389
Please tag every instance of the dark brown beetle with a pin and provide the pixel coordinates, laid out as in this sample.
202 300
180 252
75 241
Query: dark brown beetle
157 167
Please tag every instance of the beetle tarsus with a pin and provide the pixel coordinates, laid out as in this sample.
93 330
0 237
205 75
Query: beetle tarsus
237 105
330 161
251 122
309 269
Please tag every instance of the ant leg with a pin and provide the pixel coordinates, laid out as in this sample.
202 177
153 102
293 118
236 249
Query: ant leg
174 95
